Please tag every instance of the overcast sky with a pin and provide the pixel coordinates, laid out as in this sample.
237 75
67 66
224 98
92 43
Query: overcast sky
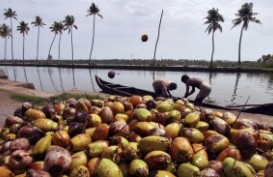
124 21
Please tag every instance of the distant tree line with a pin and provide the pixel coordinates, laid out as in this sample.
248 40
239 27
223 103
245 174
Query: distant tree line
261 63
244 16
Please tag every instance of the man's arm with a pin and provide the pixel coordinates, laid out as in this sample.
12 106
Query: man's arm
192 90
187 91
169 93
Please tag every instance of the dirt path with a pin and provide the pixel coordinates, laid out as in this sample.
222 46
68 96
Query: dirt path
8 105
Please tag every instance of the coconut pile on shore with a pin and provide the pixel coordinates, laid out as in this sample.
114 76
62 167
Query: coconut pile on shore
132 136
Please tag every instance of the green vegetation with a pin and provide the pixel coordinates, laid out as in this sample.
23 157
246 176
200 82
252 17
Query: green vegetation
27 98
266 62
39 101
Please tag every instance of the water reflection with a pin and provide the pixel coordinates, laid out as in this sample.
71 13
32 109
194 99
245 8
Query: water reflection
270 79
6 70
73 75
25 73
61 79
228 88
51 79
15 74
234 95
91 80
40 80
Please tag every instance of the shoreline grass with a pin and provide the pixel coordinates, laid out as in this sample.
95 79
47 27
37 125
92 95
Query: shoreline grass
39 101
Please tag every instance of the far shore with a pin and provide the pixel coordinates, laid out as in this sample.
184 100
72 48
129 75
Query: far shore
146 67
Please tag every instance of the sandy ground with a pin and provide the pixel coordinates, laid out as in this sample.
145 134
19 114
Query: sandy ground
8 105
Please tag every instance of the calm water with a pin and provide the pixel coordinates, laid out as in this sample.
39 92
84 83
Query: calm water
227 88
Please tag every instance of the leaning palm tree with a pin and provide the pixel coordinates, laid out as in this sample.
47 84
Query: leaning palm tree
69 24
38 23
245 15
23 29
93 10
9 13
5 32
56 28
213 19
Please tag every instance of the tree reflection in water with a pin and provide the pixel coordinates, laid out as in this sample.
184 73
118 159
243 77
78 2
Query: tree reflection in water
40 80
73 76
51 79
15 73
61 80
228 88
91 79
25 73
234 94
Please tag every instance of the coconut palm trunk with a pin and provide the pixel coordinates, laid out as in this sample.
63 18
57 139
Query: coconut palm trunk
212 52
59 48
239 50
38 22
93 38
72 48
11 40
38 39
157 39
51 45
5 49
23 48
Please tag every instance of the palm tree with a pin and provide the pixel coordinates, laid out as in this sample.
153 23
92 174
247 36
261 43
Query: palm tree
56 28
60 28
23 29
69 24
213 19
9 13
38 23
245 15
5 32
93 10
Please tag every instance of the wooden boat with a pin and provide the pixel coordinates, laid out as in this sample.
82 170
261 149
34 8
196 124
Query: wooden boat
118 89
111 88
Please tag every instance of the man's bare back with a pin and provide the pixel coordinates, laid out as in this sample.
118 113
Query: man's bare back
204 88
195 82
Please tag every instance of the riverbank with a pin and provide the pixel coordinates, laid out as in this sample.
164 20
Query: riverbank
9 105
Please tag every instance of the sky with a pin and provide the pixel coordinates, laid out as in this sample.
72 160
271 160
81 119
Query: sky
118 33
